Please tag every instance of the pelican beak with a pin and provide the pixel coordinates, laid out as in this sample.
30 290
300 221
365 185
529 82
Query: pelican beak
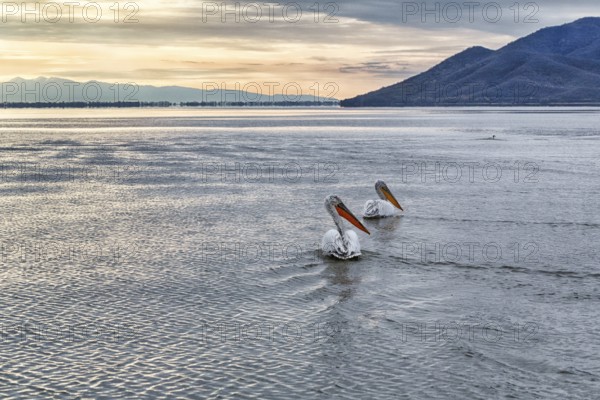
388 195
345 213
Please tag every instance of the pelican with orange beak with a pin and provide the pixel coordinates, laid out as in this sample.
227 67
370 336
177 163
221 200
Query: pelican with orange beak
337 242
386 207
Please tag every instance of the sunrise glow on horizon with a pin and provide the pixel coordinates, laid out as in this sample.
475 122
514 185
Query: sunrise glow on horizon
358 46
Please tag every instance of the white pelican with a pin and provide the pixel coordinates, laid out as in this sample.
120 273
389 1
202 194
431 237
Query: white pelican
385 206
339 243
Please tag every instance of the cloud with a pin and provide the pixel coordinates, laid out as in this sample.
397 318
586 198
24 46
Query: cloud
178 23
377 68
174 42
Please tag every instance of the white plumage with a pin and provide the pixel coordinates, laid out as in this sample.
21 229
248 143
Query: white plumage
379 209
342 247
340 243
385 206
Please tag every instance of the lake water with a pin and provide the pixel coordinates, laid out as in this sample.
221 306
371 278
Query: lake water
174 253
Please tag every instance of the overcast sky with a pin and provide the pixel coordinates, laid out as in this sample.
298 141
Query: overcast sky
358 45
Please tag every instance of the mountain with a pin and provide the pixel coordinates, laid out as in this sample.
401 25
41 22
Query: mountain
554 66
58 90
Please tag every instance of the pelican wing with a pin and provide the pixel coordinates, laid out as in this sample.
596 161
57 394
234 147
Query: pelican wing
379 209
334 245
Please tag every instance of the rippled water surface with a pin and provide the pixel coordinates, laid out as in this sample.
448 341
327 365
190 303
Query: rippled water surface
174 253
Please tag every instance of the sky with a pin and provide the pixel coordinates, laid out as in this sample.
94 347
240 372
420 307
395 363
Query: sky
337 49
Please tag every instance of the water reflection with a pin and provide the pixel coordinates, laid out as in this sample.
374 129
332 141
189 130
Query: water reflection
384 224
338 273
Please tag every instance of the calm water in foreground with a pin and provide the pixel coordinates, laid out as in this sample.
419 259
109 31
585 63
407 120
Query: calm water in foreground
174 253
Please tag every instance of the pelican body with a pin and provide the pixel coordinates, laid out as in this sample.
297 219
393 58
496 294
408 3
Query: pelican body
337 242
385 206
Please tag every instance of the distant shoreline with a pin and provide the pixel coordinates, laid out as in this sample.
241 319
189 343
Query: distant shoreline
81 105
166 104
499 105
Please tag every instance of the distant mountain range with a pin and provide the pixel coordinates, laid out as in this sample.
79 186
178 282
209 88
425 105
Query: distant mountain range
58 90
554 66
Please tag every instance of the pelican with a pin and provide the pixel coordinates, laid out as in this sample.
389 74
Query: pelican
384 207
337 242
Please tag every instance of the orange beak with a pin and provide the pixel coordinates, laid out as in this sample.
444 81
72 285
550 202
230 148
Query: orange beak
390 197
345 213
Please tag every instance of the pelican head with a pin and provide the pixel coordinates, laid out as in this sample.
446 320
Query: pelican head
385 194
336 208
